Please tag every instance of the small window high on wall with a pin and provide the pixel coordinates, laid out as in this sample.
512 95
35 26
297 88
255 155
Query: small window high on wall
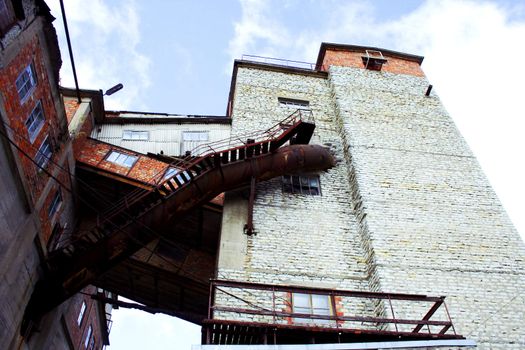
195 136
293 103
135 135
302 184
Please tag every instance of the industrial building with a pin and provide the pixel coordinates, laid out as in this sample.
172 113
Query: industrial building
37 202
335 203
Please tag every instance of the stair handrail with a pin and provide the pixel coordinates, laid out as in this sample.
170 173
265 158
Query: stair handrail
203 151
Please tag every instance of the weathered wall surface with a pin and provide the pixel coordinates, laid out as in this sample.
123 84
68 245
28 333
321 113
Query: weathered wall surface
165 138
301 239
435 225
407 208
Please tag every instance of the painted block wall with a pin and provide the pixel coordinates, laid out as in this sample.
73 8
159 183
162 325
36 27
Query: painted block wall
434 222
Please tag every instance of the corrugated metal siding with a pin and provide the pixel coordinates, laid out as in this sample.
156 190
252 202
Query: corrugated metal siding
162 137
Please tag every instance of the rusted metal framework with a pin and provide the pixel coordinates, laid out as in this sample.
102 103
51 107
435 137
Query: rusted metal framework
252 313
283 62
142 215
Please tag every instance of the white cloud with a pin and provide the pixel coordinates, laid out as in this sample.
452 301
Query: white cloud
105 44
257 30
472 51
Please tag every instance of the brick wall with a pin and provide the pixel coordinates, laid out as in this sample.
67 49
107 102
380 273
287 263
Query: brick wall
145 169
91 317
345 58
18 111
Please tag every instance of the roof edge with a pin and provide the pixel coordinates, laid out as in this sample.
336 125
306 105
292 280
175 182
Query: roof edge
359 48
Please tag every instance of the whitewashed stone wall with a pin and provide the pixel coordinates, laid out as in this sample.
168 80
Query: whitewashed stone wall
301 239
407 208
435 225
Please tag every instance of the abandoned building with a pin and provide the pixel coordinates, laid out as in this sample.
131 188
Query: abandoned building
334 203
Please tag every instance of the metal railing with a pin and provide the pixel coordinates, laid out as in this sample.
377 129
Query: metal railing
393 314
194 157
283 63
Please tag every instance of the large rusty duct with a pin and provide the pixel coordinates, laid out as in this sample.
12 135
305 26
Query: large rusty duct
136 221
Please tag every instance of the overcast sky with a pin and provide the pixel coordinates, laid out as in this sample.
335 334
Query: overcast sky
177 57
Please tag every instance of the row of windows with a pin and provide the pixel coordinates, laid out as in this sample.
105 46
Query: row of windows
186 135
25 85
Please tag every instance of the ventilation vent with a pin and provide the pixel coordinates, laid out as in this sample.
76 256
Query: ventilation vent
373 60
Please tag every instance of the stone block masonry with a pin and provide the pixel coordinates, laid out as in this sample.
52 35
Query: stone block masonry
434 223
407 209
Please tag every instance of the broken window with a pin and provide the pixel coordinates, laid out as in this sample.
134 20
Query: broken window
302 184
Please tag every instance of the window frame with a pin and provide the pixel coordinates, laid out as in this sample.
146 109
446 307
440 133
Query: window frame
36 116
124 163
42 158
81 313
195 132
141 135
301 184
89 334
311 308
293 103
56 203
28 72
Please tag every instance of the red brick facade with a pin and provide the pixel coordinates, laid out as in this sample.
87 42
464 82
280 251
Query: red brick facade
90 317
346 58
18 111
145 169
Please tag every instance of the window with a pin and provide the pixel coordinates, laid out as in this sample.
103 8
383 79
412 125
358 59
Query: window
293 103
89 334
311 304
135 135
123 159
44 153
55 203
195 136
26 82
35 122
302 184
81 313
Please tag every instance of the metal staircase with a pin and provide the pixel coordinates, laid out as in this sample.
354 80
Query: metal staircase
296 128
137 219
